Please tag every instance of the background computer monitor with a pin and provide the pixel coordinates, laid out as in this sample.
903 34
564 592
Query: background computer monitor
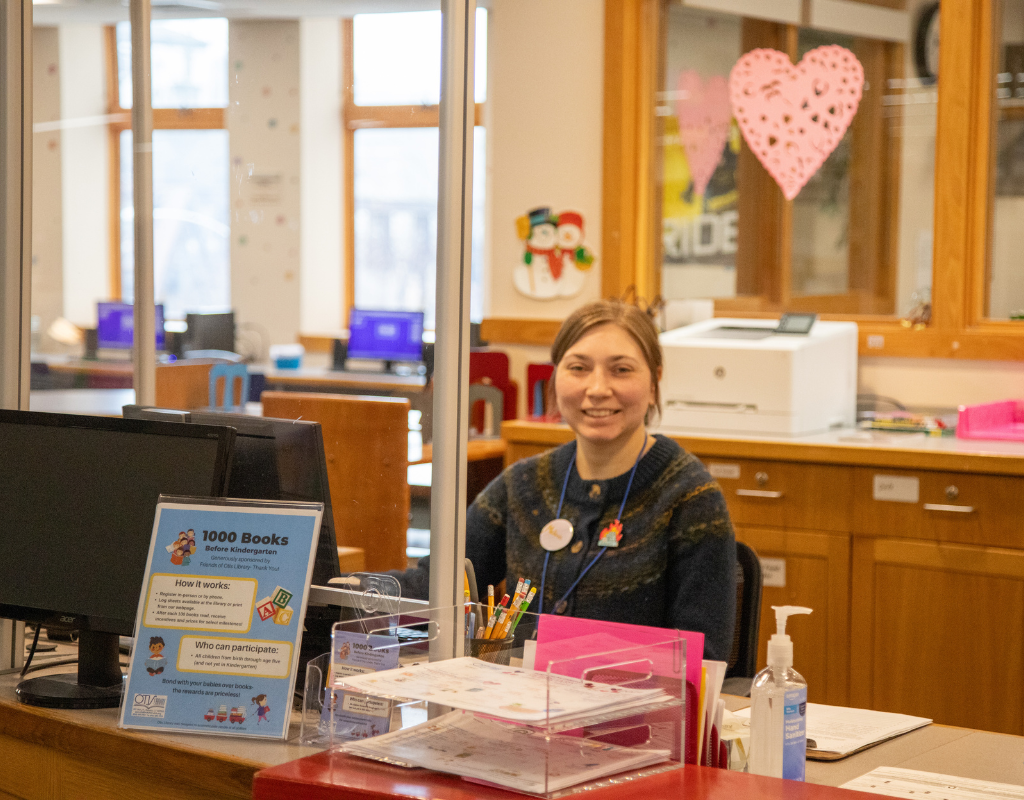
115 326
79 497
273 459
209 332
387 335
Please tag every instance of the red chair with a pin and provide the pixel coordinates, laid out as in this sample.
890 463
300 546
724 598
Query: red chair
491 368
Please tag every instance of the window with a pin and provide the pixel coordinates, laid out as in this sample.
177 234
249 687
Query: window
857 237
191 229
393 64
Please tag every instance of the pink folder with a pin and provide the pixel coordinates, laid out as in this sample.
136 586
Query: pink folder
559 638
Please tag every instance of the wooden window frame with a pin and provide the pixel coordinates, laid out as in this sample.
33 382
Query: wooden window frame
357 117
119 120
963 177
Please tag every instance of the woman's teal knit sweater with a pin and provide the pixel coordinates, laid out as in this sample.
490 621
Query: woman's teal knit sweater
675 566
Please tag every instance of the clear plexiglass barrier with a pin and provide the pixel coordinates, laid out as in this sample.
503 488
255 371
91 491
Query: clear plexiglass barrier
539 706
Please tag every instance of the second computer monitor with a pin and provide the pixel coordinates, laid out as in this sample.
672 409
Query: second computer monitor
386 335
115 325
274 459
210 332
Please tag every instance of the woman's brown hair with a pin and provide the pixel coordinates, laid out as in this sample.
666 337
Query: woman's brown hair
633 320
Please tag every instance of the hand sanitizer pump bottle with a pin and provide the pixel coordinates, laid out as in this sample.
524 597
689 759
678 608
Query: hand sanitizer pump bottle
778 717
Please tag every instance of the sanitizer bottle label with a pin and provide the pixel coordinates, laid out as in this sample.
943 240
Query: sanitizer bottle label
794 734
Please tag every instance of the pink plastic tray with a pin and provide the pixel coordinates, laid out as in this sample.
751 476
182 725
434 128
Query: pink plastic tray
1003 420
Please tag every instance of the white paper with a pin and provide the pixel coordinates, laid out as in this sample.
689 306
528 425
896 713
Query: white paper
715 671
835 729
913 784
511 693
503 753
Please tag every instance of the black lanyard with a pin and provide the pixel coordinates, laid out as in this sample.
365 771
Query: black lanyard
562 604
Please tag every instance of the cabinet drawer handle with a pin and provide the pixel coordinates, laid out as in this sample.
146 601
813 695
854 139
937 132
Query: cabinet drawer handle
941 507
758 493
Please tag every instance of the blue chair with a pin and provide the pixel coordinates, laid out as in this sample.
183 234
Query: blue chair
230 373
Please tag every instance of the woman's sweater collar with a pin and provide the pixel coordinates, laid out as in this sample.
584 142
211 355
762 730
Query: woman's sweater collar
651 465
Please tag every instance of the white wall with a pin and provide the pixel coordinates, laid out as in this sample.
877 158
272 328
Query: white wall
84 175
941 383
322 294
544 131
263 125
47 253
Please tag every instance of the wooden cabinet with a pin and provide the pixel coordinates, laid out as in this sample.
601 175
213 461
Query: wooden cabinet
816 574
950 507
936 632
910 553
798 516
782 494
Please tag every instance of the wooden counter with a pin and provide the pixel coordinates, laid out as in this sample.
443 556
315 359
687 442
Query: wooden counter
344 381
848 447
909 549
54 754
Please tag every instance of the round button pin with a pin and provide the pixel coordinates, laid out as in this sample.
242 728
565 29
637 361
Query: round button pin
561 606
556 534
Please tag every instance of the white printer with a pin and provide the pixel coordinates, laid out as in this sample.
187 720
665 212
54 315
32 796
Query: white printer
785 377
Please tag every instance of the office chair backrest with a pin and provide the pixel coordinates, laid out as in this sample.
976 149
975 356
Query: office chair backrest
228 374
743 658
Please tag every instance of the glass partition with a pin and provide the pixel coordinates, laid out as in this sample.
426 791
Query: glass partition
295 177
856 238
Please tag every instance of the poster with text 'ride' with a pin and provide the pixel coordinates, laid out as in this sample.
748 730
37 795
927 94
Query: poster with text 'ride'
220 617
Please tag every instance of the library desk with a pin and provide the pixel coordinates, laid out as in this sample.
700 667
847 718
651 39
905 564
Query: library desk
101 402
935 748
909 549
63 755
342 381
92 373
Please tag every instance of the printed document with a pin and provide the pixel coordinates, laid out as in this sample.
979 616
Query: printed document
913 785
503 753
510 693
834 731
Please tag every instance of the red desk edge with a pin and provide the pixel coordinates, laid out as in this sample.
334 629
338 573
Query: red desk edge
332 775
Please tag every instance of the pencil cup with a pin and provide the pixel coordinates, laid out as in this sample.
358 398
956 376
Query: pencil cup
496 651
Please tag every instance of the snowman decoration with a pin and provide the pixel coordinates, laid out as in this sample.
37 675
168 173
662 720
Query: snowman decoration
554 259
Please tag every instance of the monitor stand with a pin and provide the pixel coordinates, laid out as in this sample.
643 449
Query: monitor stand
97 684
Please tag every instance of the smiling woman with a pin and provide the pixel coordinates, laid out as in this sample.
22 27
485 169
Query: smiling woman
606 384
618 524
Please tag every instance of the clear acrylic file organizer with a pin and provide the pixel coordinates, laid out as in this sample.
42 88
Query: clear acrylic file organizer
591 710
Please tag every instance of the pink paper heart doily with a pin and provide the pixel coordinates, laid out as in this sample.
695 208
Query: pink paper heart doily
793 116
704 113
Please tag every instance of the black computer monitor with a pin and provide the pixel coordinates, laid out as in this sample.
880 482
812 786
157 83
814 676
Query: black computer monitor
274 459
78 499
209 332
